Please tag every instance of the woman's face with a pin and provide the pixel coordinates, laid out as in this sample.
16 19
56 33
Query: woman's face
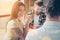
21 11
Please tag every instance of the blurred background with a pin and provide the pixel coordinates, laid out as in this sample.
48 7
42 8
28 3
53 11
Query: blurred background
5 11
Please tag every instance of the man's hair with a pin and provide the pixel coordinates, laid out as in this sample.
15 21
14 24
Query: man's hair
53 8
39 3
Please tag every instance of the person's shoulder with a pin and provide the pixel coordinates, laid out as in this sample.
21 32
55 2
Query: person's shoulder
31 34
40 30
12 24
35 34
12 21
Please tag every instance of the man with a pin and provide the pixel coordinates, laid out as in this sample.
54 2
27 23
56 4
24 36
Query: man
39 17
51 28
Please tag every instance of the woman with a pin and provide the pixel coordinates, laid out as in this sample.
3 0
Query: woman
15 25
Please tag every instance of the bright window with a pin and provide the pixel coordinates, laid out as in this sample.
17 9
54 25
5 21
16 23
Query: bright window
6 6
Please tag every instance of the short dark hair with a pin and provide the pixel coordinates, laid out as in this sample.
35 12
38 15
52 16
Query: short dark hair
39 3
53 8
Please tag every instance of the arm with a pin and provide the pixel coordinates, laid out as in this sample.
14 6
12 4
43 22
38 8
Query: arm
12 26
25 30
18 32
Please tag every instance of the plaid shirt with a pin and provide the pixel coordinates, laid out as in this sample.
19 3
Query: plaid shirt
42 18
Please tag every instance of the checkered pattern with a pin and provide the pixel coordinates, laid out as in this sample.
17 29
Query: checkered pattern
42 19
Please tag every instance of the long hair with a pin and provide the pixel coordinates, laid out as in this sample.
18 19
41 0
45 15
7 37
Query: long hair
15 7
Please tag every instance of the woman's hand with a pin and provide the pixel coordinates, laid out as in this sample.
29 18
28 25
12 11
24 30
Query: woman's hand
30 18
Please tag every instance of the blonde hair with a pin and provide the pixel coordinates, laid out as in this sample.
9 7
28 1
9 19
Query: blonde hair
15 7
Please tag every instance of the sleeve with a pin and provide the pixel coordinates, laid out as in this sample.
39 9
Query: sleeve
29 37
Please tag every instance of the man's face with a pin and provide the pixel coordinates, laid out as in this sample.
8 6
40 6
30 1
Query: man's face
38 9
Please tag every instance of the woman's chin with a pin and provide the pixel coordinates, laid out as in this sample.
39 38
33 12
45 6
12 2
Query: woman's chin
21 16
